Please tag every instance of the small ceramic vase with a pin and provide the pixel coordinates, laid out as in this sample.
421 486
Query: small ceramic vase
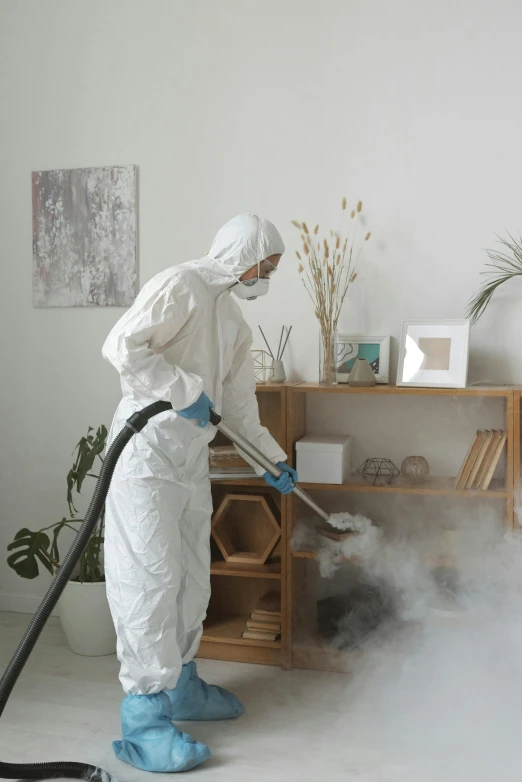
362 374
279 375
416 468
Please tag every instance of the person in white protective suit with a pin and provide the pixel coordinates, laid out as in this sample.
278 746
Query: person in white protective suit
184 340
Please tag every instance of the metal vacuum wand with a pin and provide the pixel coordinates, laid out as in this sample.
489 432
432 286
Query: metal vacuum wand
262 460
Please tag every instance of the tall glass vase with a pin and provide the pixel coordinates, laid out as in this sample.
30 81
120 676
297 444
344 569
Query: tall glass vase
328 357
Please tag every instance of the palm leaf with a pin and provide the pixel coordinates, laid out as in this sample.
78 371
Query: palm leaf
503 267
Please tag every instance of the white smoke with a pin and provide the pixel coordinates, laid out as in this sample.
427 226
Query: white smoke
440 697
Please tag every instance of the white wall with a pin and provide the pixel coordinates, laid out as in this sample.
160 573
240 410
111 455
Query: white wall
279 107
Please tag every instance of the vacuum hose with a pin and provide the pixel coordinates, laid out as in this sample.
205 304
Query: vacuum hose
64 768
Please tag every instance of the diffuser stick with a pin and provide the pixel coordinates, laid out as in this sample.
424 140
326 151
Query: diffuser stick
286 340
280 340
266 341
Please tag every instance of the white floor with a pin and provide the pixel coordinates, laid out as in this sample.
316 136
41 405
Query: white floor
65 707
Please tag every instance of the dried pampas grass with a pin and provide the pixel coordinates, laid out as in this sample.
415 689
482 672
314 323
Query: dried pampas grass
331 268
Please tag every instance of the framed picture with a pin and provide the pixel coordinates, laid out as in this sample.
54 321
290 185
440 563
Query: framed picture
376 350
434 354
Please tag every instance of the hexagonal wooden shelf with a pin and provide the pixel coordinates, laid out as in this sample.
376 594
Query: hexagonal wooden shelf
245 528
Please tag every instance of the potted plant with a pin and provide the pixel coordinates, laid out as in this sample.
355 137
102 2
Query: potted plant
84 610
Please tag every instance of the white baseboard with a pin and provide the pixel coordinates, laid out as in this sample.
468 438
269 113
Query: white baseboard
21 604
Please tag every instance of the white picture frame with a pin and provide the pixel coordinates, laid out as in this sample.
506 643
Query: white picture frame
353 343
434 354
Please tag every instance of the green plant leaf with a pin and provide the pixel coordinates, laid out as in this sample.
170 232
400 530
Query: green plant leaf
87 450
32 546
71 479
55 554
503 267
46 562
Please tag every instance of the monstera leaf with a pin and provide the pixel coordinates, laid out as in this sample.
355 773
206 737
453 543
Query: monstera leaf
86 452
29 547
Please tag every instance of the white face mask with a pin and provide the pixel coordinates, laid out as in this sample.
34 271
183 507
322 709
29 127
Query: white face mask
251 289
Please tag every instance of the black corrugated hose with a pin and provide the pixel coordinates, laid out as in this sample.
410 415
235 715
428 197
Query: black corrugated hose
64 768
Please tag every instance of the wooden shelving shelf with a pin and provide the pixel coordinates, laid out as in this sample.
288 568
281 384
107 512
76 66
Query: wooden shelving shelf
227 629
384 390
305 554
270 570
434 486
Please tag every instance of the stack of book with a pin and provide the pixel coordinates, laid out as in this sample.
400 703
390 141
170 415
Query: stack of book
482 459
226 463
265 620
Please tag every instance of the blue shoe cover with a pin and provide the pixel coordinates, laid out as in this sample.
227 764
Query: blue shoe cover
193 699
150 741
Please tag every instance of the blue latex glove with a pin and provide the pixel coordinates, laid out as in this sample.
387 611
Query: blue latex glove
199 409
285 482
151 741
194 699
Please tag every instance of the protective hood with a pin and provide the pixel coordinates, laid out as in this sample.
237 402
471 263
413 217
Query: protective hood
242 243
245 241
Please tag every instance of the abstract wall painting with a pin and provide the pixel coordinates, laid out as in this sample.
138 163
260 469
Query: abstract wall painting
85 237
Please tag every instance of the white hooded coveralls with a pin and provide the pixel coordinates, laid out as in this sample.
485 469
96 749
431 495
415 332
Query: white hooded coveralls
183 335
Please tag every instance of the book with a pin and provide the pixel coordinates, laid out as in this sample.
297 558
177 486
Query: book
224 457
223 450
254 635
488 435
494 462
268 606
237 473
469 461
229 469
262 616
492 447
264 627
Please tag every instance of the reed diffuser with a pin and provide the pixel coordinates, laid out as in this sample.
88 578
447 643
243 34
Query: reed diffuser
278 368
328 267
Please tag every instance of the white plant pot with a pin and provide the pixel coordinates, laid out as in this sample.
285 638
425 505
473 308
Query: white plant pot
86 619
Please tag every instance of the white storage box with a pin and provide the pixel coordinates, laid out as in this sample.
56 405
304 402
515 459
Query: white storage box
323 459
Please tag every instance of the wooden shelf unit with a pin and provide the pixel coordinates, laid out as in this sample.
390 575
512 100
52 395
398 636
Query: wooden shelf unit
318 656
237 587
